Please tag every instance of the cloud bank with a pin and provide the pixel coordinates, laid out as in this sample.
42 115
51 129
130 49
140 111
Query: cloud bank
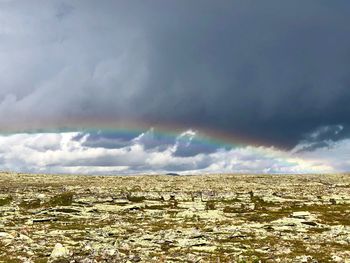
148 152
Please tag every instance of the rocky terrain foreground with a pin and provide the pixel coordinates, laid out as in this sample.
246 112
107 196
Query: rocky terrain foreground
209 218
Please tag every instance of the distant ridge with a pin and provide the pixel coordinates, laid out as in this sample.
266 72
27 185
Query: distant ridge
172 174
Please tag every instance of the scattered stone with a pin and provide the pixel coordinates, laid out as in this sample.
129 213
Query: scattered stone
301 214
336 258
46 219
5 235
59 251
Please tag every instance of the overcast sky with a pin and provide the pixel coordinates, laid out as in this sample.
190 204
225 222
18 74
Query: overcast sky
275 72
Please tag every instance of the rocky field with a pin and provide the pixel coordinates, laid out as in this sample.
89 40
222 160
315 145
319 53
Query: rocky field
211 218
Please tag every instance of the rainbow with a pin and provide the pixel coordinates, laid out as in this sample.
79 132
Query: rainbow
134 128
216 139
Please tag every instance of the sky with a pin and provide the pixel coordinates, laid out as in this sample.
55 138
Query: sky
125 87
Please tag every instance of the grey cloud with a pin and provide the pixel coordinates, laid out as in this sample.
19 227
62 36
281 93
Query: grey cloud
187 144
153 140
193 149
324 136
63 10
106 140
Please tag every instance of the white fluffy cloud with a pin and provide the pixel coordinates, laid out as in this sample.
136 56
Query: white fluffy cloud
70 152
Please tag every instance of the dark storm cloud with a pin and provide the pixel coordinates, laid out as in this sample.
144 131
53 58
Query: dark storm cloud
188 145
108 140
194 148
151 140
270 70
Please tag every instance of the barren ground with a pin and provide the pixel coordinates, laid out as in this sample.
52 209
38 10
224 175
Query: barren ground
209 218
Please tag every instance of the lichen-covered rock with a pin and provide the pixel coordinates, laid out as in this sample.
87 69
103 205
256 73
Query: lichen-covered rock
59 251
